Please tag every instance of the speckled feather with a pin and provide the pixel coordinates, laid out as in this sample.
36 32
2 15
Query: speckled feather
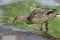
42 13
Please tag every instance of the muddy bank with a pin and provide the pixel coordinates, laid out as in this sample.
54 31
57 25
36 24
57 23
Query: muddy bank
7 33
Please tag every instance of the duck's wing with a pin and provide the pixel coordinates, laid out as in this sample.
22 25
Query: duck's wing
36 13
40 12
49 15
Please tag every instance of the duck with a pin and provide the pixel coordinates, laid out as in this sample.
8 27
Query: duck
38 16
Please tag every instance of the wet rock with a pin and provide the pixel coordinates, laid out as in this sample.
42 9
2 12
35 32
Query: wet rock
9 37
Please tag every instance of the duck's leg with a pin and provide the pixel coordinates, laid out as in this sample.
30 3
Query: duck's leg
46 26
41 27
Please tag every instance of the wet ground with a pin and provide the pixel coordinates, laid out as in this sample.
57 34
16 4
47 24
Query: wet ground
7 33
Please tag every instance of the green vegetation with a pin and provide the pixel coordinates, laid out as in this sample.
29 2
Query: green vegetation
24 8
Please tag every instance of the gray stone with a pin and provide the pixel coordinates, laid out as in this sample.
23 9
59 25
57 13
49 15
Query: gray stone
9 37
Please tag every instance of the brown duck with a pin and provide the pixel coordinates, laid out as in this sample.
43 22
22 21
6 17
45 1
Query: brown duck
38 16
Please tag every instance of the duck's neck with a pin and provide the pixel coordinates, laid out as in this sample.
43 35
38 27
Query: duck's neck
25 19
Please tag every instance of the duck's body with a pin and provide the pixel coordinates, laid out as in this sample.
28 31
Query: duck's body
41 15
38 16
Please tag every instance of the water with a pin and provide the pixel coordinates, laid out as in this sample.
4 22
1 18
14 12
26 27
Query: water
49 2
5 2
